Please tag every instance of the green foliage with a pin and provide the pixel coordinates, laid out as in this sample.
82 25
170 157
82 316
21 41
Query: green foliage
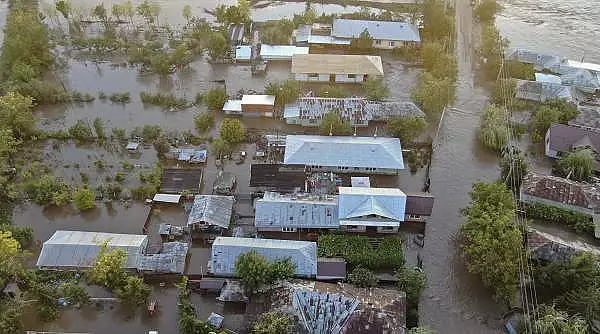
433 94
81 131
16 114
553 321
165 100
438 22
358 251
120 97
492 46
491 242
551 111
438 62
493 128
48 190
73 293
363 277
148 132
217 45
332 91
407 128
84 199
99 128
520 70
237 14
579 222
24 235
151 183
376 89
64 7
10 319
220 147
272 323
421 330
285 92
187 13
232 131
277 32
255 272
214 98
413 282
188 322
513 168
333 124
108 268
79 97
486 11
578 165
127 165
133 291
99 164
204 121
364 42
119 134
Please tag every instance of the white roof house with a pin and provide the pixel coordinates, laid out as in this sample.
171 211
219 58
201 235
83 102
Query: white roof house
77 249
380 207
232 107
281 52
296 211
379 30
210 210
243 52
258 99
225 251
344 151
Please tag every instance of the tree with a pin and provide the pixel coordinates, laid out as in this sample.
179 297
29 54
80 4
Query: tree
99 128
493 128
438 24
407 128
491 242
492 46
84 199
64 7
9 248
272 323
214 98
363 42
99 11
284 92
253 271
73 293
332 91
578 165
204 121
541 120
430 54
333 124
433 94
217 45
513 169
232 131
133 292
81 131
553 321
10 319
108 268
363 277
16 114
486 10
281 269
118 11
8 143
220 147
161 145
376 89
48 190
413 282
187 13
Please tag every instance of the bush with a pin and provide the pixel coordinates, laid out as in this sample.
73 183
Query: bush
413 282
48 190
358 251
333 124
99 128
285 92
84 199
214 98
204 121
493 128
406 128
376 89
363 278
120 97
333 92
81 131
255 271
232 131
164 100
579 222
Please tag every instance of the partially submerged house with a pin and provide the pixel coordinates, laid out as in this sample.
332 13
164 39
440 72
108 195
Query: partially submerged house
210 212
281 52
562 139
540 91
419 207
310 111
226 250
363 209
547 247
251 105
278 177
540 61
70 250
345 154
178 180
385 34
336 68
562 193
587 117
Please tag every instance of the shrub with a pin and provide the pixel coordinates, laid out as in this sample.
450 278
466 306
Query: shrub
81 131
579 222
376 89
204 121
232 131
363 277
493 128
120 97
48 190
214 98
164 100
285 92
359 251
333 124
84 199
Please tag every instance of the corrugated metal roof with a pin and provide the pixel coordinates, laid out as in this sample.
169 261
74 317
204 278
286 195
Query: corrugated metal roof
542 91
258 99
344 151
243 52
225 251
212 210
78 249
171 259
166 198
233 105
319 39
337 64
360 181
551 78
279 52
356 204
382 30
419 204
297 211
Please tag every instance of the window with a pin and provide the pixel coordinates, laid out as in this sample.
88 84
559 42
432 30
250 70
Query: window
387 228
328 212
392 44
313 75
312 121
288 229
356 168
414 216
377 42
351 76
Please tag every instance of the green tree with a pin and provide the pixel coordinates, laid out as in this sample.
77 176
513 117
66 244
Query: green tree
430 54
407 128
220 147
217 45
491 242
118 11
285 92
232 131
99 128
187 13
81 131
578 165
214 98
133 292
492 46
363 42
9 248
204 121
145 10
108 268
332 91
99 11
8 143
438 23
10 319
84 199
272 323
16 114
376 89
486 10
433 94
413 282
363 277
48 190
553 321
333 124
253 271
64 7
493 128
73 293
513 169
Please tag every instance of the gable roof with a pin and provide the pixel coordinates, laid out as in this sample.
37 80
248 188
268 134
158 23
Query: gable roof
563 138
355 203
297 211
337 64
211 209
587 117
541 91
383 30
542 60
560 190
345 151
419 204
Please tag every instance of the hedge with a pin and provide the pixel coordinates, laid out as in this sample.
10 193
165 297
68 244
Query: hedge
579 222
358 251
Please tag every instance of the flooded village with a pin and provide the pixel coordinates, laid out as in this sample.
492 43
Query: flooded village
294 167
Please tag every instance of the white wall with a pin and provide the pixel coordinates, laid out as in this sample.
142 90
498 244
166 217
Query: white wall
549 152
343 78
306 77
384 171
384 44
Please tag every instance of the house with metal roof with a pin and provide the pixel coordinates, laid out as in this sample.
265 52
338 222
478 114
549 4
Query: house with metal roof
210 212
309 111
336 68
540 91
418 207
378 209
78 249
291 212
385 34
540 61
587 117
345 154
281 52
226 250
251 105
562 139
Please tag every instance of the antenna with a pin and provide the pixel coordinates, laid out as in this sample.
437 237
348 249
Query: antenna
331 129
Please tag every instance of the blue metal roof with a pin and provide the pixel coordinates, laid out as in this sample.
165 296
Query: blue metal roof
356 203
382 30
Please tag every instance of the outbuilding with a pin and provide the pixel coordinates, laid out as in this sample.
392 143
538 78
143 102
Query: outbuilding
336 68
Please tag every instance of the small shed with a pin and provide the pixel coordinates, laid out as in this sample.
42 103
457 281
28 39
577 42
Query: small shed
178 180
331 269
166 198
211 210
233 107
281 52
216 320
210 285
132 146
243 53
259 105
